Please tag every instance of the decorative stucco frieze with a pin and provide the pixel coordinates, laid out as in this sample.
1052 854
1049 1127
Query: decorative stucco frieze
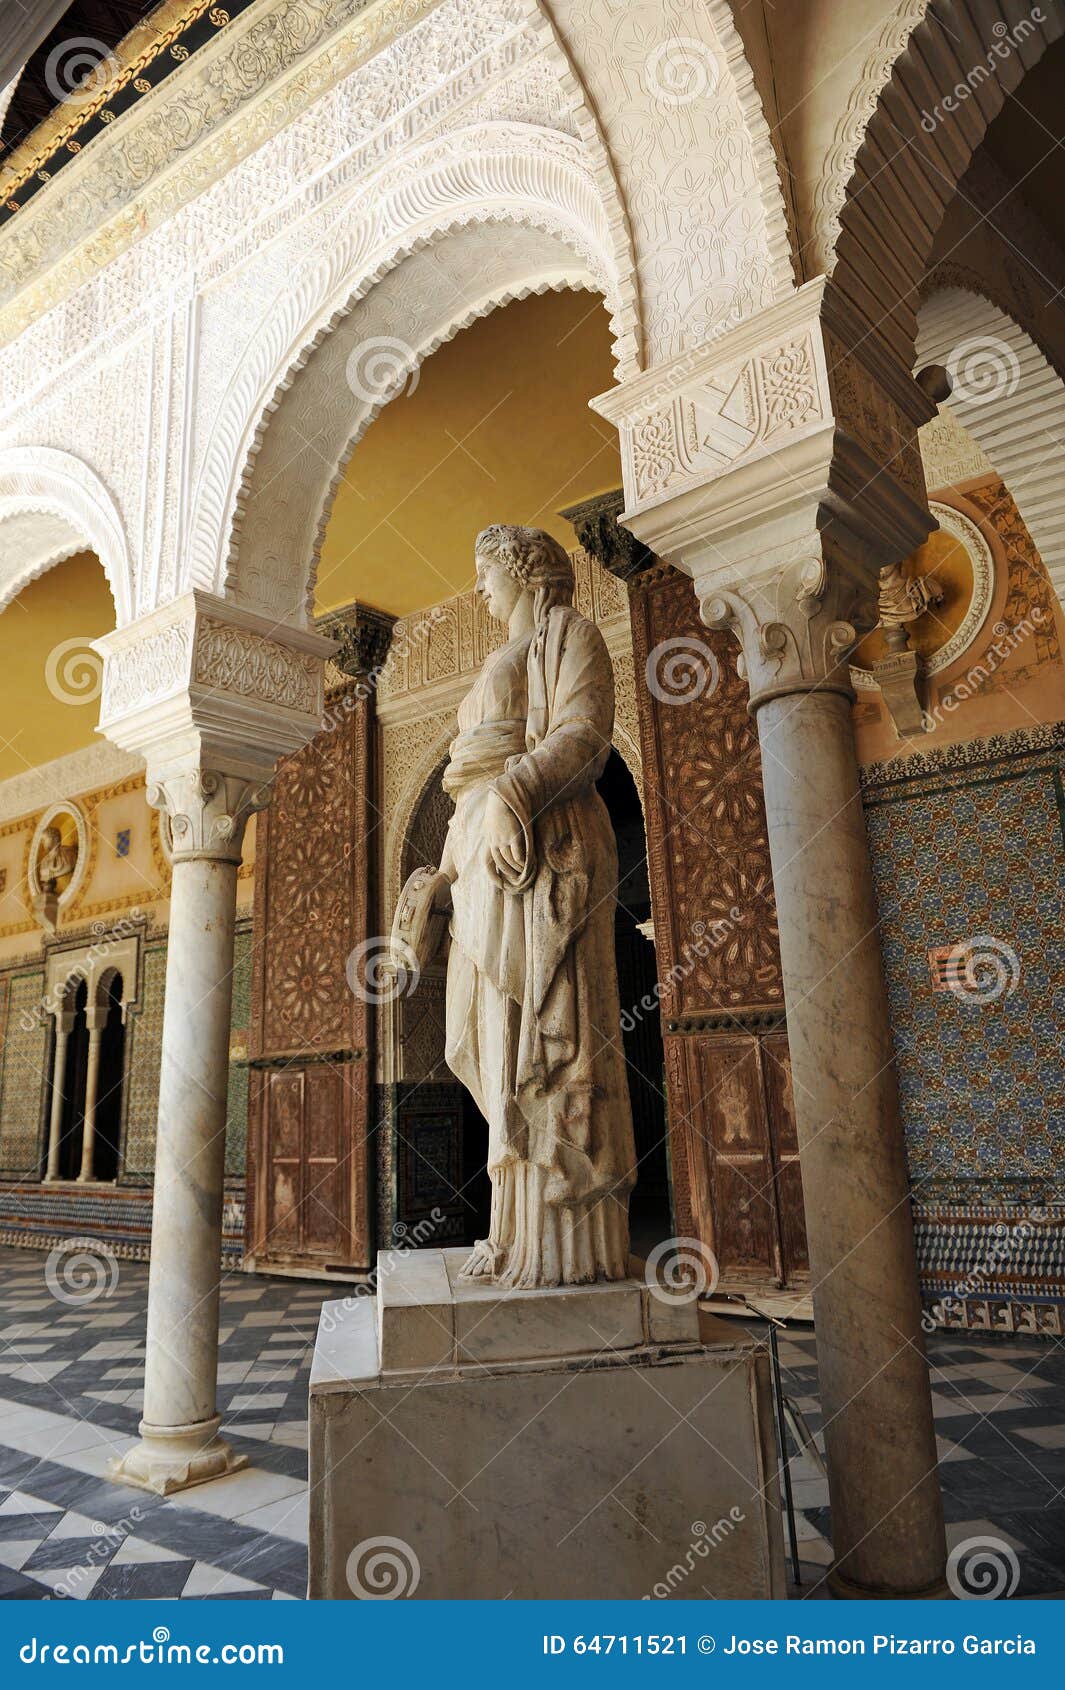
202 680
241 661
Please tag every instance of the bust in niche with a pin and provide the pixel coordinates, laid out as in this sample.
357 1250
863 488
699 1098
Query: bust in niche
57 861
53 867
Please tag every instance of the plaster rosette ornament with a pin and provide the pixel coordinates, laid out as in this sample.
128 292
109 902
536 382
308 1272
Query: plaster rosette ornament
58 857
531 868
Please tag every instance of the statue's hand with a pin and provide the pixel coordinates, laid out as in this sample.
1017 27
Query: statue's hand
503 835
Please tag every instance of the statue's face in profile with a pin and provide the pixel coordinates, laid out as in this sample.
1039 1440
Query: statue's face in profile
497 588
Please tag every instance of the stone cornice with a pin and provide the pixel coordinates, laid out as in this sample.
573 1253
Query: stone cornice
264 69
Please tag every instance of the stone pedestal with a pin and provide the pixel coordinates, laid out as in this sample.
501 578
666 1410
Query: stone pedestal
584 1442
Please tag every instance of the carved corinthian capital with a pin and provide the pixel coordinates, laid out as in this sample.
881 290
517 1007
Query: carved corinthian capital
796 625
208 811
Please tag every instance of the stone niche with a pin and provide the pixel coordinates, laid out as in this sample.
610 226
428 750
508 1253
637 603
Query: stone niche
584 1442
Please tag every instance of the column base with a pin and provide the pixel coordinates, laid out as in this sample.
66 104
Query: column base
173 1458
845 1590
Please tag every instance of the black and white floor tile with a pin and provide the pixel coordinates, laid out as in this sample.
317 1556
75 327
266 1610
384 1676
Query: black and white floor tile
71 1382
999 1406
71 1387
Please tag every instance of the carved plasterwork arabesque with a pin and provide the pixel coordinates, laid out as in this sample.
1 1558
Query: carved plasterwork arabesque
237 660
151 668
716 419
698 174
838 166
949 453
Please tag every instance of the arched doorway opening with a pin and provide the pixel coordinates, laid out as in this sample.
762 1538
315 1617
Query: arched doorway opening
72 1119
110 1076
641 1028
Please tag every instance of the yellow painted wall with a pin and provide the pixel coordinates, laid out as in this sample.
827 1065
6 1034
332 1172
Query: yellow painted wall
50 689
496 429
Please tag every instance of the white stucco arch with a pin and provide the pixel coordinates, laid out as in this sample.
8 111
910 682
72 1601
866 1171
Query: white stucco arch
1011 400
487 219
51 506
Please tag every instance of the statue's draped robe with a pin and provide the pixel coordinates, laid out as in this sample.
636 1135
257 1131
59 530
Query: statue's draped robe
533 1020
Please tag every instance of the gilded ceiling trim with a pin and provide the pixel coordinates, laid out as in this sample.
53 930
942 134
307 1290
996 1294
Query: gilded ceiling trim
131 69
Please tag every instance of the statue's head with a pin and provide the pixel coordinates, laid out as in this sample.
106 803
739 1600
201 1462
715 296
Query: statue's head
510 557
51 838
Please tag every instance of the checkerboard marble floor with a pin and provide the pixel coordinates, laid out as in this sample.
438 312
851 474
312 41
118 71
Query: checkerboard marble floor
71 1387
71 1380
999 1407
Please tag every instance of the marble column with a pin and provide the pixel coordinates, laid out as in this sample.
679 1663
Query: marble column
179 1443
64 1026
887 1526
212 694
780 470
96 1019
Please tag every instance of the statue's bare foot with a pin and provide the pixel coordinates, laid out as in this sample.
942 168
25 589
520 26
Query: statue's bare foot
484 1260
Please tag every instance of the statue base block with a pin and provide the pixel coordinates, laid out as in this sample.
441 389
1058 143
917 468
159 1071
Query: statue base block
591 1441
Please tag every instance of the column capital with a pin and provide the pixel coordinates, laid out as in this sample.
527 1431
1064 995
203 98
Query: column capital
781 472
363 637
208 810
203 687
598 530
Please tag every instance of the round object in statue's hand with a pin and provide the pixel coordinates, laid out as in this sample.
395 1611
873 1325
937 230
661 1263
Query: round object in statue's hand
421 917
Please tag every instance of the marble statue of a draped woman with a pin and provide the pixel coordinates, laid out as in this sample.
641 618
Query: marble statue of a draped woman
533 1019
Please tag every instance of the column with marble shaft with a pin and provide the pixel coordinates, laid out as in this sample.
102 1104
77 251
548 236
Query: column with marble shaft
228 692
96 1020
781 473
64 1026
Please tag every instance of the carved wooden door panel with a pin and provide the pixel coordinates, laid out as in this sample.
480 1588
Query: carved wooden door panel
309 1197
733 1151
304 1178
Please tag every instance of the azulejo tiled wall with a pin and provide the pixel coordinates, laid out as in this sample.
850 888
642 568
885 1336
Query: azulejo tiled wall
968 848
24 1044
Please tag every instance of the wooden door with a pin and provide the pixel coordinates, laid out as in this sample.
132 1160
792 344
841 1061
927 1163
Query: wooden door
304 1213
